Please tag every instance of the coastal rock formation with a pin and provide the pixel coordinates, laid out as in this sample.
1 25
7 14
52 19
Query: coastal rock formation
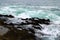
19 28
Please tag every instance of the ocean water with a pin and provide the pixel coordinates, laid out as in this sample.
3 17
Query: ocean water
52 31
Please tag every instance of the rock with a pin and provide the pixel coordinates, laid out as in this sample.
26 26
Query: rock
44 21
19 35
37 20
3 30
31 30
10 16
15 24
37 27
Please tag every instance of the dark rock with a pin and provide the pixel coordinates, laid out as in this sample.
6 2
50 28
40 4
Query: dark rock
35 21
10 16
37 27
19 35
31 30
15 33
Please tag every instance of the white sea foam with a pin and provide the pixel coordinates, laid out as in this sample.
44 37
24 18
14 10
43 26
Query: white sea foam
52 31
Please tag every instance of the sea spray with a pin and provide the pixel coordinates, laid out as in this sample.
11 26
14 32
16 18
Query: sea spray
52 31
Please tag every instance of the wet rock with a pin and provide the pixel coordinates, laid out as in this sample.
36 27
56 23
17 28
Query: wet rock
35 21
37 27
31 30
44 21
10 16
27 25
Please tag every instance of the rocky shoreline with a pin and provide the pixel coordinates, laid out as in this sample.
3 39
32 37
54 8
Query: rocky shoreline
19 28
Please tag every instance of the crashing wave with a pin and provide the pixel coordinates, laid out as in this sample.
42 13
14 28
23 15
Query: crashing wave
52 31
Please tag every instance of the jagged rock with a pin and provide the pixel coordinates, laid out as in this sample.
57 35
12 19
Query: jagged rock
27 26
10 16
37 20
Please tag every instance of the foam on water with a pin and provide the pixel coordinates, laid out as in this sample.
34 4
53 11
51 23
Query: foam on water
52 31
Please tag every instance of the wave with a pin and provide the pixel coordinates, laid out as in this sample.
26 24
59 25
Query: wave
51 13
32 11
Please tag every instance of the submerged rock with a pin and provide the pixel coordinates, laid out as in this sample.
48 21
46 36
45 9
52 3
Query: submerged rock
21 29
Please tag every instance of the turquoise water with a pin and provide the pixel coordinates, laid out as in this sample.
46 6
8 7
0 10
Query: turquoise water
52 13
31 11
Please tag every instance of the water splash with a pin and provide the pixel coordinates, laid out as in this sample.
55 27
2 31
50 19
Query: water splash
52 31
